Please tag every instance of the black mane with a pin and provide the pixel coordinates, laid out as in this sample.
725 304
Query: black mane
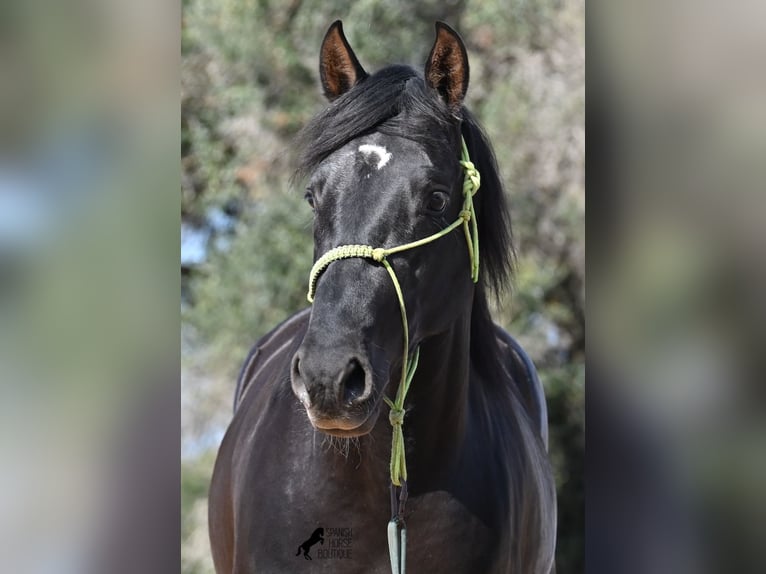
397 102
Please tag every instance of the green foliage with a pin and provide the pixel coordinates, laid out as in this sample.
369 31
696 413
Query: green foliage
256 282
195 478
565 394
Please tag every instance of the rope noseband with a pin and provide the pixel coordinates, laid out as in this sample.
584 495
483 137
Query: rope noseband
398 465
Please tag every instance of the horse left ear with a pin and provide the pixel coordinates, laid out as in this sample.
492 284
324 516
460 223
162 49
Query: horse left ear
447 66
339 69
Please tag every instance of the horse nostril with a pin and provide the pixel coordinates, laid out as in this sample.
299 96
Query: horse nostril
297 377
299 385
297 366
353 382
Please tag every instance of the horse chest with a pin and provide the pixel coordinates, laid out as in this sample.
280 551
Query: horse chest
337 523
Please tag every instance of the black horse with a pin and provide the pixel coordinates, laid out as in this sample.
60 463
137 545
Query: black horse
316 537
307 443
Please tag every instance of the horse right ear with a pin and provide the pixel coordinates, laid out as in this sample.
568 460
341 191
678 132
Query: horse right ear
338 67
447 66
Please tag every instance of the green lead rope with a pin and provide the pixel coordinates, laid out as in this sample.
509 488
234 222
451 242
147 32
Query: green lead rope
467 218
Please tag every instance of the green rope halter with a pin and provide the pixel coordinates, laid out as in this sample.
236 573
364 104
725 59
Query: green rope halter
467 219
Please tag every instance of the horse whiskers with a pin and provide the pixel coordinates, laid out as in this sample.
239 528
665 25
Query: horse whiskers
342 445
334 443
357 446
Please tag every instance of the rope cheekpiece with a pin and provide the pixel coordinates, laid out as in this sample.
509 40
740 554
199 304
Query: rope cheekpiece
466 219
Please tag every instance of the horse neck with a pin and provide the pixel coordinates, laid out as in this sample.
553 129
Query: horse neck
438 400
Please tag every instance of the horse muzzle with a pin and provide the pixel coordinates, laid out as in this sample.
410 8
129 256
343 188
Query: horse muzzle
336 390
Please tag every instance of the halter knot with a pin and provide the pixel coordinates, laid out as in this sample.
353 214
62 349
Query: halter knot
472 175
465 215
396 417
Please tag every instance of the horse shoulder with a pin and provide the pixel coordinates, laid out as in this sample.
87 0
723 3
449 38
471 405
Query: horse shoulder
222 513
271 345
524 374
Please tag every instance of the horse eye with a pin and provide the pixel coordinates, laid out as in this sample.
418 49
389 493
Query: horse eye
437 201
309 197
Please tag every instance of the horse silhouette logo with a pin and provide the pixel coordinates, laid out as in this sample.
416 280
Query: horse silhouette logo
316 536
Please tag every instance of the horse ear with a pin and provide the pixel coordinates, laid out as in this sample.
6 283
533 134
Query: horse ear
447 66
338 67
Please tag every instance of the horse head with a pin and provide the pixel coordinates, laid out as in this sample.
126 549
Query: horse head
383 169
